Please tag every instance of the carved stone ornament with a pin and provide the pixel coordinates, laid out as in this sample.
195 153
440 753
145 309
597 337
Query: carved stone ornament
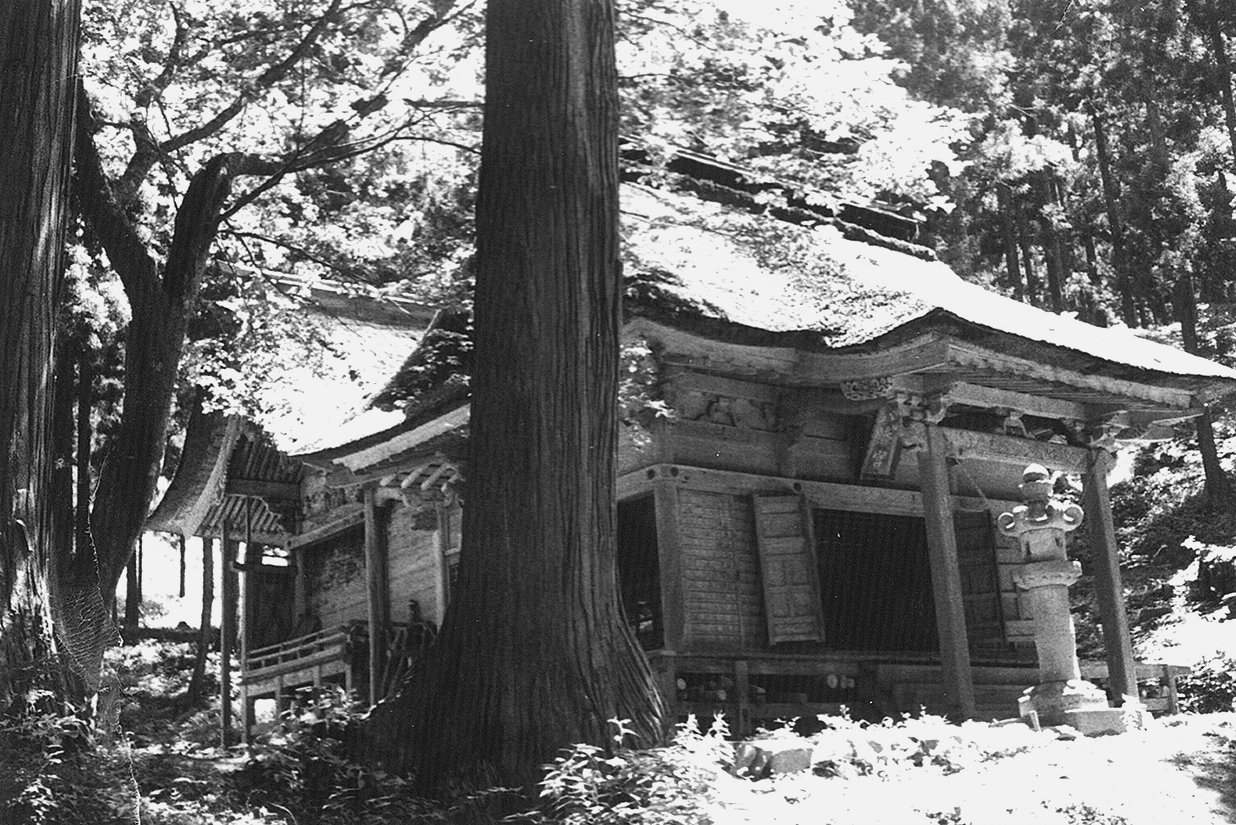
1041 523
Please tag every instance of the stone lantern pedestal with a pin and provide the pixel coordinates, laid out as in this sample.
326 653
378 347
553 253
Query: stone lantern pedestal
1062 697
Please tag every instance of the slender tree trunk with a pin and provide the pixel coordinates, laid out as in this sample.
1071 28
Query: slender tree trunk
1218 488
197 682
1049 234
1027 265
1111 200
38 39
1008 220
534 653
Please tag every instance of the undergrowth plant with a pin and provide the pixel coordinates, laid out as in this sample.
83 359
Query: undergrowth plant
589 785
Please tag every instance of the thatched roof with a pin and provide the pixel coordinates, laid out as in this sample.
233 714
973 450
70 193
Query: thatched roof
734 276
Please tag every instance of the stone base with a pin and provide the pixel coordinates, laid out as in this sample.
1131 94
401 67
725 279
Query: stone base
1053 701
1100 721
771 757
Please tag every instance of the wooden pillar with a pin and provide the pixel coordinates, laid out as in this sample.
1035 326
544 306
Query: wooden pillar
1121 667
377 594
227 635
300 588
245 593
945 572
673 619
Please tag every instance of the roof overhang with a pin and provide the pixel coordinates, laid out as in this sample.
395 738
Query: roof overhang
939 354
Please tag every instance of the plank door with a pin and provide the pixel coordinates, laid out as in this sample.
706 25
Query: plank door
976 557
789 569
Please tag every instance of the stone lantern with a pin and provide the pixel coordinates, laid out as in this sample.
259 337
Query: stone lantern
1062 697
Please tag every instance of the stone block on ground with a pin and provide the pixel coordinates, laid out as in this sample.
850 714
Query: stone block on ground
758 758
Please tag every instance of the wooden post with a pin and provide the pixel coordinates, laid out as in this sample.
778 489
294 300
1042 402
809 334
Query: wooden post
227 634
1121 666
673 619
246 623
378 594
945 572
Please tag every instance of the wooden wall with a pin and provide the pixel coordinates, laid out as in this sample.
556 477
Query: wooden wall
414 563
335 578
747 428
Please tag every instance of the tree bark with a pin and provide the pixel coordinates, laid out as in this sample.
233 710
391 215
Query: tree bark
534 654
85 445
38 39
133 592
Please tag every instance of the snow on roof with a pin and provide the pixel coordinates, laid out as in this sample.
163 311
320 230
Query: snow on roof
732 266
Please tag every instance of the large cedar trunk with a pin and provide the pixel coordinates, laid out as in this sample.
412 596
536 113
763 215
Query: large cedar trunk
38 39
533 654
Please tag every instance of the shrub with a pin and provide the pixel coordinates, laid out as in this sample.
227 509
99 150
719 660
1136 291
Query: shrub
589 785
1211 687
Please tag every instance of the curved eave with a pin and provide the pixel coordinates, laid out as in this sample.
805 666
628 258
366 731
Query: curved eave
201 475
943 344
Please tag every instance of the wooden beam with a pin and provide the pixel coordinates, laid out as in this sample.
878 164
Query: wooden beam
257 488
946 573
831 495
327 530
977 357
1010 449
1109 590
800 366
974 395
377 594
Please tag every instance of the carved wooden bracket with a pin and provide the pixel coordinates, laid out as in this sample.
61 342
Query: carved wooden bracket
865 389
900 425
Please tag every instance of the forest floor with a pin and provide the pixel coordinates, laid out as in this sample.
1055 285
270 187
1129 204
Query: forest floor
1181 769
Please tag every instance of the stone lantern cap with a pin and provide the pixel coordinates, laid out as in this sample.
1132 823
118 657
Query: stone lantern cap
1041 523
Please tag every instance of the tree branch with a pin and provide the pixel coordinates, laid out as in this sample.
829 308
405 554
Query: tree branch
264 81
197 222
138 270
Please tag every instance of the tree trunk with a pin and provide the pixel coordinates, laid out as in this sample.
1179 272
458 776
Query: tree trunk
38 39
197 682
534 654
1218 489
1027 265
159 297
1049 234
85 445
1004 200
1111 199
133 592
